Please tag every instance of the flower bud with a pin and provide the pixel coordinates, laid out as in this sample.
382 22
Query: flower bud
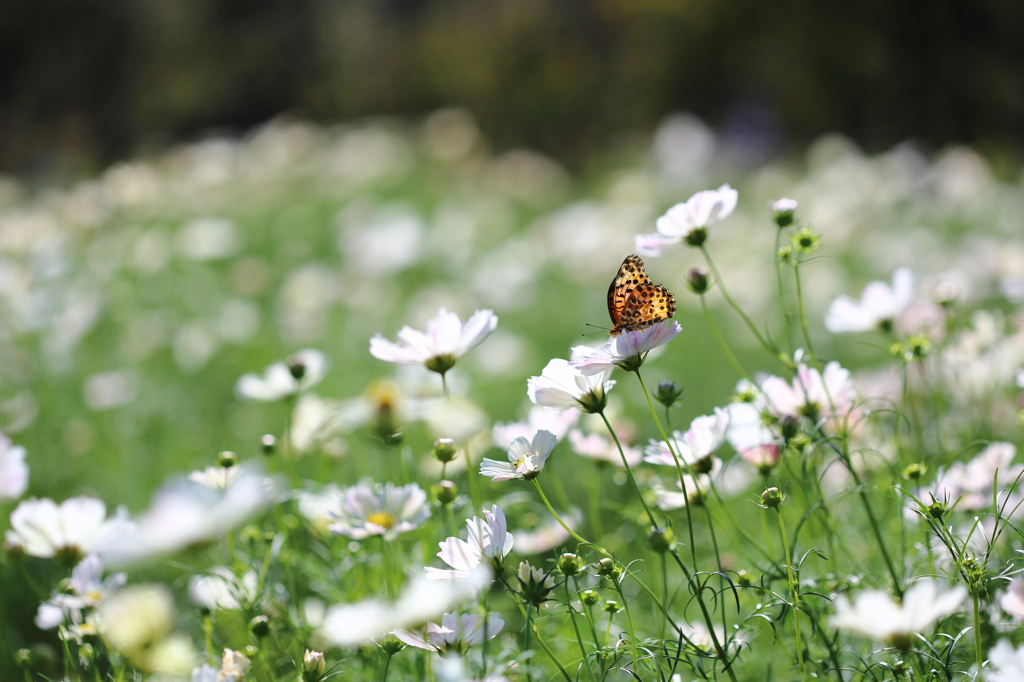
789 425
313 666
771 498
806 240
570 564
744 578
594 401
611 607
918 346
445 492
661 539
23 658
697 280
227 459
251 651
260 626
914 471
440 363
268 443
937 509
445 450
668 393
589 597
391 645
782 212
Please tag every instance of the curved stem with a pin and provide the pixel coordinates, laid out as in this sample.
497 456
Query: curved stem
629 470
794 589
558 518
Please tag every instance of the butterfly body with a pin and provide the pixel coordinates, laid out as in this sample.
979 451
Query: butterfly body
634 301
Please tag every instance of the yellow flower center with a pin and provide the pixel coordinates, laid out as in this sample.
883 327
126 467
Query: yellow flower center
383 519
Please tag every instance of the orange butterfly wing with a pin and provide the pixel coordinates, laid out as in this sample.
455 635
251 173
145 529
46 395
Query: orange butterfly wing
634 302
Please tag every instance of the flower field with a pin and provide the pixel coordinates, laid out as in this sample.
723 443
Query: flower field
373 402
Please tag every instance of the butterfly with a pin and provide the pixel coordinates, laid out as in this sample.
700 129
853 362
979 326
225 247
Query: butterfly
634 302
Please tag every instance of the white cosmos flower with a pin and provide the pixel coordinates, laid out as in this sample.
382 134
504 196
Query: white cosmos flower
680 222
1007 663
185 513
811 393
525 458
420 601
747 429
562 386
322 508
695 447
557 422
456 633
446 340
597 447
13 470
696 487
220 588
385 510
878 308
87 590
970 484
76 527
625 350
876 615
297 373
138 622
215 477
488 542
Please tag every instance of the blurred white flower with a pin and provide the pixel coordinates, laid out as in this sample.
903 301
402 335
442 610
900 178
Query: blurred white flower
13 470
549 534
109 390
876 615
87 589
487 542
220 588
420 601
297 373
525 458
696 487
682 221
878 308
321 509
447 339
762 457
625 350
452 668
969 485
385 510
557 422
562 386
455 633
233 666
747 429
597 447
1007 663
695 447
208 239
75 528
138 622
215 477
185 513
1012 599
784 205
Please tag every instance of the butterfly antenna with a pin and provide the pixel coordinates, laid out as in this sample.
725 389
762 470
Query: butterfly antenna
602 329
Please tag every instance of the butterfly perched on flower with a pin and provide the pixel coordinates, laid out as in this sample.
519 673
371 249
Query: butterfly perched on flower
634 301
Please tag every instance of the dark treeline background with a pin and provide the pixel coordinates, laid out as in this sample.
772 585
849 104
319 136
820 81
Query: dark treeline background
86 82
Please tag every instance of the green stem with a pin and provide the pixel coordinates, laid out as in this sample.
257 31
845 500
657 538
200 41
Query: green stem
721 287
576 629
629 621
629 469
802 310
979 656
782 294
794 589
558 518
721 341
387 664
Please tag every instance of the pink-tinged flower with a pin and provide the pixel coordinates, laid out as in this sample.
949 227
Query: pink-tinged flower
562 386
87 590
525 458
488 542
297 373
969 485
455 634
597 447
695 489
69 531
13 470
688 221
540 418
628 350
811 393
876 615
446 340
1012 600
220 588
381 510
878 308
762 457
